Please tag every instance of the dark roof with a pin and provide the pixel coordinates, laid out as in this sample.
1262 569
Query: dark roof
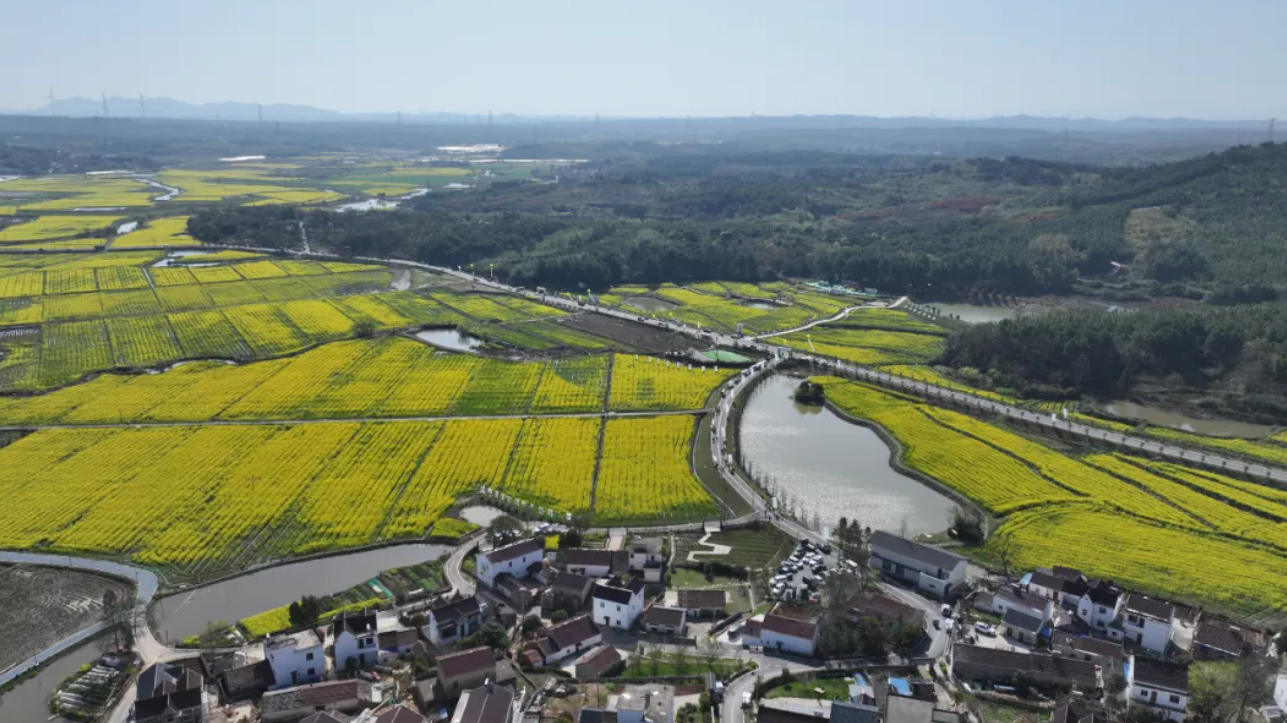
770 714
328 716
391 639
1055 582
915 550
1150 606
1067 573
845 712
649 545
599 663
399 714
703 599
1102 592
664 616
249 677
355 623
163 678
516 550
1222 636
487 704
332 692
790 626
177 701
465 662
871 603
570 583
1021 620
1079 671
453 609
588 558
571 632
597 715
753 628
1094 646
1172 676
1021 597
616 591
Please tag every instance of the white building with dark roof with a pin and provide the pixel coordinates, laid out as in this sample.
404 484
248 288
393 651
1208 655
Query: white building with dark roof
590 563
646 558
1064 586
1162 687
781 633
296 658
488 703
618 603
1107 654
1022 627
356 638
1100 605
663 620
1147 622
453 618
517 559
929 568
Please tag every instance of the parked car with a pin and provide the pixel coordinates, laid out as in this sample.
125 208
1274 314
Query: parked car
985 628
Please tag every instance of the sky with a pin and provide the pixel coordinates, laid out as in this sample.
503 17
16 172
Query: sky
948 58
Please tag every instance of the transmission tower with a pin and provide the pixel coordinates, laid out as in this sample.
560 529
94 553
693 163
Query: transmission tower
142 107
399 119
51 103
261 113
106 114
1271 129
489 119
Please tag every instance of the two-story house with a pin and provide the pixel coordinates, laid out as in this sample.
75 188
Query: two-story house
166 693
590 563
664 620
296 658
451 618
1062 585
1100 605
1147 622
466 669
1163 687
930 569
1013 597
570 637
646 558
569 592
517 559
618 602
355 635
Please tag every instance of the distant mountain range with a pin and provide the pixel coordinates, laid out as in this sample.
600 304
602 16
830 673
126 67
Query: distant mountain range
121 107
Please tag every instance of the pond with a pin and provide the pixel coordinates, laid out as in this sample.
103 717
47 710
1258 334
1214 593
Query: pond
648 303
977 314
833 467
174 256
372 204
481 515
450 339
28 701
126 228
188 612
764 305
1175 420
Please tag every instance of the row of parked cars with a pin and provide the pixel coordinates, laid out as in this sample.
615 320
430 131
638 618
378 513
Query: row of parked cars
800 574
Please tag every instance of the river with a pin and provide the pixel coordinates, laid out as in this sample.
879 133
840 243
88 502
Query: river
188 612
1175 420
28 701
834 467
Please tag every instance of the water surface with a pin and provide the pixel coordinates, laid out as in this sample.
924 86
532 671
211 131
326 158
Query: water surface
833 467
450 339
28 701
977 314
188 612
1175 420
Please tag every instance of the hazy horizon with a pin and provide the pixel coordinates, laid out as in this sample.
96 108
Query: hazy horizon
1153 59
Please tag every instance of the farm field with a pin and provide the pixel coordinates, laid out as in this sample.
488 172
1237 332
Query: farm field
41 605
388 377
715 305
888 319
864 346
70 192
45 228
1032 488
159 232
208 499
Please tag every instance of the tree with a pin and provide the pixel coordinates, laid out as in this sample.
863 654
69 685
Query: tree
851 541
581 520
118 615
1114 688
305 611
969 524
493 635
1254 683
1211 690
570 539
1004 550
654 657
505 529
681 661
559 616
531 625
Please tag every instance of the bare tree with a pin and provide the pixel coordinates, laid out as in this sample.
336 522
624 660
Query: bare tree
1004 550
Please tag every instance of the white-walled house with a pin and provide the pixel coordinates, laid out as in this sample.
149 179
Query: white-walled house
617 602
570 637
355 637
297 658
451 619
515 559
646 558
1100 605
1064 585
589 563
783 634
932 570
1147 622
1012 597
1163 687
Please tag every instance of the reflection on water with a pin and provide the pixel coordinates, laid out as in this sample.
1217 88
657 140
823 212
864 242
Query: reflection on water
27 702
975 314
1175 420
187 613
450 339
833 467
481 515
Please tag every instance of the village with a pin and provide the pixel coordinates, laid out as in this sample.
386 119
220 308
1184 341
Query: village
534 630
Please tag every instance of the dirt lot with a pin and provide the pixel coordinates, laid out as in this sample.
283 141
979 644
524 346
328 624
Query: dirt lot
41 605
635 335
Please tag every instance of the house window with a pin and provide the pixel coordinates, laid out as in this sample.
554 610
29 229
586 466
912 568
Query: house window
618 608
361 643
1103 610
312 671
1175 699
308 656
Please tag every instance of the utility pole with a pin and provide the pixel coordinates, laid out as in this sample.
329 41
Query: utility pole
142 107
51 103
399 119
106 114
1271 129
261 113
489 119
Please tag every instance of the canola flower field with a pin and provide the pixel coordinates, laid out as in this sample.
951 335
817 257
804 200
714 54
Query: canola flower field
1152 521
865 346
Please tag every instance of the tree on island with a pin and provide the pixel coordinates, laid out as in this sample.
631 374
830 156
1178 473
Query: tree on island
809 392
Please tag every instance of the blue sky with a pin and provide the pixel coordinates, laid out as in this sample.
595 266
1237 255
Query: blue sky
956 58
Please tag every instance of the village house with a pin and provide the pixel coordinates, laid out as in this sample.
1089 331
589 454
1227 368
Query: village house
781 633
355 639
569 592
1100 605
1064 586
617 602
461 671
569 637
1107 654
646 558
1222 640
662 620
518 560
400 714
345 696
1022 627
1013 597
982 664
167 693
604 661
489 703
590 563
651 703
930 569
1078 712
884 609
452 618
1147 622
296 658
1160 686
522 592
703 603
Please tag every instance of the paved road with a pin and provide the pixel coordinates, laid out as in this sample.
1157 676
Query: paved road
455 574
145 580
